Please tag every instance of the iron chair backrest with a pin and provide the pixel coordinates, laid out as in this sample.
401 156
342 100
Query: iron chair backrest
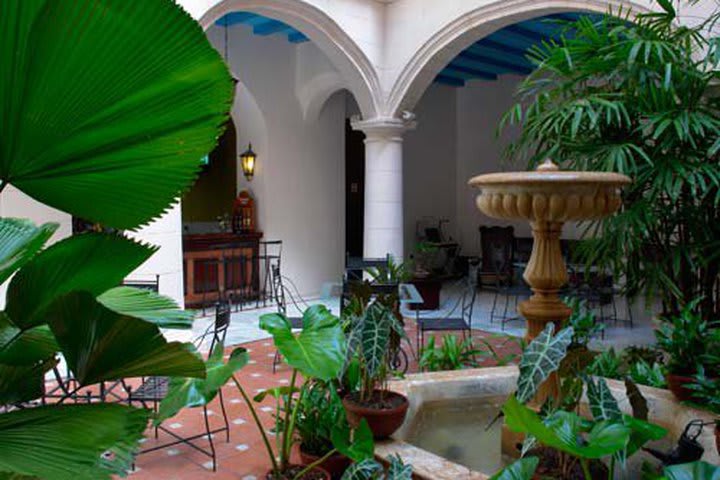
497 246
278 289
222 322
468 303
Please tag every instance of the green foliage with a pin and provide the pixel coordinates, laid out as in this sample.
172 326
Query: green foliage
147 305
357 445
606 364
186 392
688 340
632 95
582 320
521 469
368 346
706 392
67 442
541 358
392 272
372 470
113 141
99 344
610 364
320 410
318 351
692 471
453 354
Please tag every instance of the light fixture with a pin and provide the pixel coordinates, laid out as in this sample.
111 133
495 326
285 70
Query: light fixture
247 162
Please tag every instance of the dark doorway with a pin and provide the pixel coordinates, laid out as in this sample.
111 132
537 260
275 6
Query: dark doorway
354 190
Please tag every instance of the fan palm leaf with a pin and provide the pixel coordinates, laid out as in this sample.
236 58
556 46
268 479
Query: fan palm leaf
93 106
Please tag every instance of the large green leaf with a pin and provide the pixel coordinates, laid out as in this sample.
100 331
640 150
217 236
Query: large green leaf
22 383
357 445
693 471
366 470
107 106
92 262
147 305
602 404
19 240
99 344
541 358
521 469
18 347
196 392
318 350
67 442
375 338
563 431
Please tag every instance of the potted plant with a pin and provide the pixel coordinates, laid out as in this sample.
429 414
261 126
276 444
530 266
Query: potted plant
367 368
425 256
706 393
564 445
685 339
316 353
320 413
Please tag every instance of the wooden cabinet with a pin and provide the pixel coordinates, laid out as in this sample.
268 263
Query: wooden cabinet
217 264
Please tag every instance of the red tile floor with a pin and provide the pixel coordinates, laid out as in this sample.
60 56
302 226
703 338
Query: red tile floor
244 457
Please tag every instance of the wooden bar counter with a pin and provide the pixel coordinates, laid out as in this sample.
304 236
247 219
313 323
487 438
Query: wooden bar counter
216 264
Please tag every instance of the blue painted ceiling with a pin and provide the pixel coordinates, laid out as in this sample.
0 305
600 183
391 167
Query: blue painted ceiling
501 52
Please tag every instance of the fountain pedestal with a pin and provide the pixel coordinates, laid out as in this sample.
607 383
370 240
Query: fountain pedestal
548 198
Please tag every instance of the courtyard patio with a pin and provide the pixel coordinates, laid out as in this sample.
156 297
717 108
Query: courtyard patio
360 239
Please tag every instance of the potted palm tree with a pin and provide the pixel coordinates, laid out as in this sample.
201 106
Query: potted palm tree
367 369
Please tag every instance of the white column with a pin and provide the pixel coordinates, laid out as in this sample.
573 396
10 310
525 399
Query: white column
383 231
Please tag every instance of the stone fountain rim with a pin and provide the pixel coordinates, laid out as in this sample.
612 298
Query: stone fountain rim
540 178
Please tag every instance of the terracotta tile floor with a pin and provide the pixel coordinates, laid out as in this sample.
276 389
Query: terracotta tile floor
243 457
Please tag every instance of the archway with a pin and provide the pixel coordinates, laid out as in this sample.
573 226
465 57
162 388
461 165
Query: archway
446 43
342 51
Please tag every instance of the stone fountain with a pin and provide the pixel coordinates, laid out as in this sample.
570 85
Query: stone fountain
548 198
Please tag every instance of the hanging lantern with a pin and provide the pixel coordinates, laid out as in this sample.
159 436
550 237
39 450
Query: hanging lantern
247 162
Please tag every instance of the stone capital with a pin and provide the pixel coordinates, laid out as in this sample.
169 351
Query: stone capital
385 128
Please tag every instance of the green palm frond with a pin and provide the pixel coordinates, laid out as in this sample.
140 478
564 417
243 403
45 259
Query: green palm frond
147 305
19 240
93 106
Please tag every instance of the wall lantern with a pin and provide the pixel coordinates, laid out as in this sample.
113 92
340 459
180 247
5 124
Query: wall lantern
247 162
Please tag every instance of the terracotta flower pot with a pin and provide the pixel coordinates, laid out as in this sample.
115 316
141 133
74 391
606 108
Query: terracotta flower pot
314 474
335 464
383 422
676 384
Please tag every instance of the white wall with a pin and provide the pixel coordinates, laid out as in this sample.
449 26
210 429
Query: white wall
299 181
429 163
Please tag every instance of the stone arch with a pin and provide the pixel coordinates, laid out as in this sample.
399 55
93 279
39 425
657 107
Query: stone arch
447 42
356 69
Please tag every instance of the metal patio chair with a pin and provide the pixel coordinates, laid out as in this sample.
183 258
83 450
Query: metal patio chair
449 322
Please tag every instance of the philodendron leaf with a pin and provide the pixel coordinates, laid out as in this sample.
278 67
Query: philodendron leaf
693 471
375 337
564 431
357 444
366 470
541 358
147 305
636 399
318 350
67 442
196 392
641 432
522 469
20 239
602 404
276 393
99 344
92 262
107 109
398 470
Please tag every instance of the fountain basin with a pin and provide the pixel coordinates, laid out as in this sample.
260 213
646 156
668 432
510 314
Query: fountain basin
485 388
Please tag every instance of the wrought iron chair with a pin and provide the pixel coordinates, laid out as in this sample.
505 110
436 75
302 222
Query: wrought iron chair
513 287
278 287
153 390
462 323
497 247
